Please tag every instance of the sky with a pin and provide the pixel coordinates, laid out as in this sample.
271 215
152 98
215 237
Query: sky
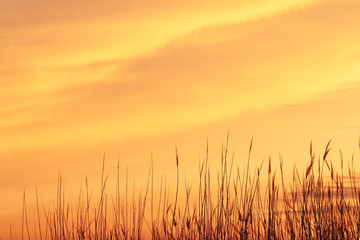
131 79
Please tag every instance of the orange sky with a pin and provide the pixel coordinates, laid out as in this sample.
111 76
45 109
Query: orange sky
78 78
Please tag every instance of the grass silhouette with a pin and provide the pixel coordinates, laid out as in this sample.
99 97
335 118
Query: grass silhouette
312 206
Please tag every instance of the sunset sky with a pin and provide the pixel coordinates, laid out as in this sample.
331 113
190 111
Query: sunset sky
133 78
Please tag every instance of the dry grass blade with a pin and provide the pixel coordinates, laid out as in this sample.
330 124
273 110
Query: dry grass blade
309 168
327 150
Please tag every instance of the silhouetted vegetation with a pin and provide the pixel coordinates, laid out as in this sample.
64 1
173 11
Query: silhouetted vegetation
311 206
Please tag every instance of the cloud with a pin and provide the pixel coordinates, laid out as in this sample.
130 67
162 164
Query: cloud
53 33
213 73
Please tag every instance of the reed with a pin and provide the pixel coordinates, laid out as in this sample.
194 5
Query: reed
311 206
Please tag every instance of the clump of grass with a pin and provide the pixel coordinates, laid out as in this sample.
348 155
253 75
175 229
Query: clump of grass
312 206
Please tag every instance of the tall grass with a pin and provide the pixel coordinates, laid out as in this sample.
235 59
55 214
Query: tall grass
320 204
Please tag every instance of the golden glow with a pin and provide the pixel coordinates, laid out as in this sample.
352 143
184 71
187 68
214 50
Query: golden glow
80 78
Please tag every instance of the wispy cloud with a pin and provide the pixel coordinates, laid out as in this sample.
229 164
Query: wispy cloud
213 73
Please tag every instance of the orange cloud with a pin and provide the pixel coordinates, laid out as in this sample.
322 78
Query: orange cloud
213 73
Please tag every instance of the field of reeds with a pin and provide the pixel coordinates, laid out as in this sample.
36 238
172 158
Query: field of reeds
320 203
